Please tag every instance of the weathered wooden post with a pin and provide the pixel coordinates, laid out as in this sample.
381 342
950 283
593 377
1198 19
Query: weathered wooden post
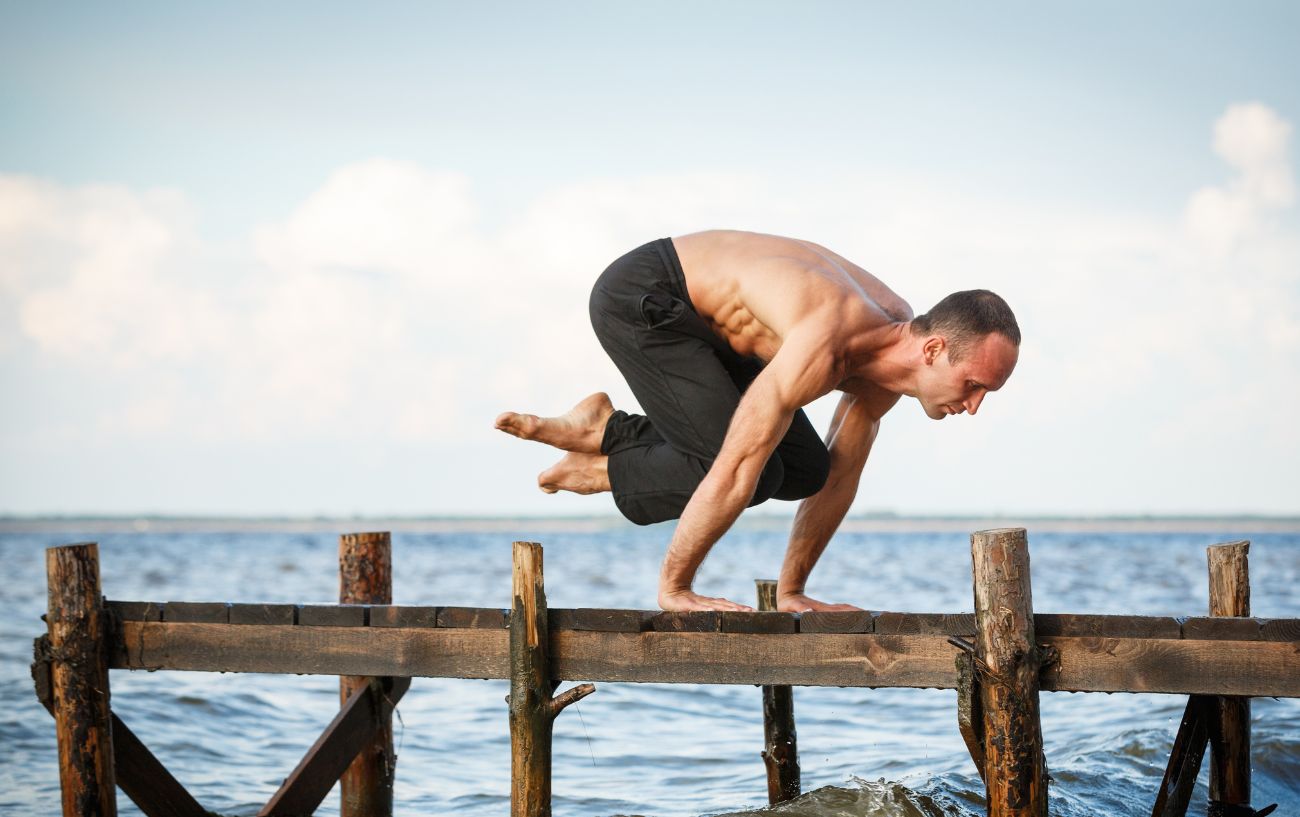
79 662
532 709
780 743
1229 730
366 577
1008 662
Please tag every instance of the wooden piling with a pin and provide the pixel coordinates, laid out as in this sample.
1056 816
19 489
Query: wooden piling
1008 663
79 681
532 708
366 577
780 743
1230 721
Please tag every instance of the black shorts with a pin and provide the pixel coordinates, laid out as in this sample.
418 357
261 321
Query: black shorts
688 381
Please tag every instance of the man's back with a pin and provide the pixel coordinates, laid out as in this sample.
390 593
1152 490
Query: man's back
754 289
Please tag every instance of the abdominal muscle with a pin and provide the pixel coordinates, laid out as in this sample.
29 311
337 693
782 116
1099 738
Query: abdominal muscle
752 289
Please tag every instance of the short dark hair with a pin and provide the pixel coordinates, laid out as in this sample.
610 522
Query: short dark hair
964 318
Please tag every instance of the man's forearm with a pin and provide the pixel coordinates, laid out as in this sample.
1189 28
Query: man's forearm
816 521
711 512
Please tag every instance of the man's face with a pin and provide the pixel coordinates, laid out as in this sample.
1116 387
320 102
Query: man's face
946 388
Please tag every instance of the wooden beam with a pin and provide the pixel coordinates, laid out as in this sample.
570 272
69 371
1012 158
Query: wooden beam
352 728
79 681
533 706
1254 668
1008 662
1046 625
780 741
1230 726
365 578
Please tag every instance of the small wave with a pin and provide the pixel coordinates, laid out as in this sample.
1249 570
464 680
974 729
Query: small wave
867 799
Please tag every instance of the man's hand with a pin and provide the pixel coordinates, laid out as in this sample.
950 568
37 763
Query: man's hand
799 603
686 600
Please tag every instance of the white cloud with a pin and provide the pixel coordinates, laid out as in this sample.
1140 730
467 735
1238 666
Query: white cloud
1255 142
380 312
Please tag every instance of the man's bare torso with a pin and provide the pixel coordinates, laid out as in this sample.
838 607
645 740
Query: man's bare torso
756 289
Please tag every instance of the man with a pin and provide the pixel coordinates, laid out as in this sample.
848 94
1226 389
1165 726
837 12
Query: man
723 337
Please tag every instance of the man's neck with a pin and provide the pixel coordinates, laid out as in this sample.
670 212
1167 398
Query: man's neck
887 358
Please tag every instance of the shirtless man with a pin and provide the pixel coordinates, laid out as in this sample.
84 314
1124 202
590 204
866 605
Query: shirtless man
723 337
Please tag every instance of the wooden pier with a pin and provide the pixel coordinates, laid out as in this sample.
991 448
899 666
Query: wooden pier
998 658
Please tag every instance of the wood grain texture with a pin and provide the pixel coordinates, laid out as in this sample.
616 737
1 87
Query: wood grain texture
1229 574
366 578
263 613
1254 668
1014 769
848 621
332 615
473 618
391 615
78 640
780 739
197 612
531 721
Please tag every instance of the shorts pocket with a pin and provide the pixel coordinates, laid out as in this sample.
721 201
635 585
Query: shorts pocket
660 310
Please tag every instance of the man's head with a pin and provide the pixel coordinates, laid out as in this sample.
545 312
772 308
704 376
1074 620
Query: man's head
969 346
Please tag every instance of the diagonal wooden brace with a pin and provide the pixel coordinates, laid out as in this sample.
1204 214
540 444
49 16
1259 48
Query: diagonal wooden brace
357 722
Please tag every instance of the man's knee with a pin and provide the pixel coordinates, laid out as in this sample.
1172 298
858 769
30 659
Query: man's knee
806 477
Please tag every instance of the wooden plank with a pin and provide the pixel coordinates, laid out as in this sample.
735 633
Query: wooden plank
473 618
135 610
197 612
1075 625
699 621
847 621
959 624
1252 668
391 615
734 621
263 613
599 620
332 615
1279 629
327 759
737 658
1221 629
1249 668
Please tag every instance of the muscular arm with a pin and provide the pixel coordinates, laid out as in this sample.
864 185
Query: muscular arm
796 376
852 432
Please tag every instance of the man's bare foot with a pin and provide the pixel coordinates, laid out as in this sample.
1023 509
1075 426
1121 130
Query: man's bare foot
685 600
799 603
579 429
579 473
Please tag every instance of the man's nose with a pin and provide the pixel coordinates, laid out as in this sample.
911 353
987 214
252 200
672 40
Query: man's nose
973 403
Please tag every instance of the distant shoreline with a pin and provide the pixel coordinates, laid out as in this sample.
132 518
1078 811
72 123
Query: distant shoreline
884 523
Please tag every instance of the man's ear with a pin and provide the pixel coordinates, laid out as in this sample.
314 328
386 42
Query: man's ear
932 348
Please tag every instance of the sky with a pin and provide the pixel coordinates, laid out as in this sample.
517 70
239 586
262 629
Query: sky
294 259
